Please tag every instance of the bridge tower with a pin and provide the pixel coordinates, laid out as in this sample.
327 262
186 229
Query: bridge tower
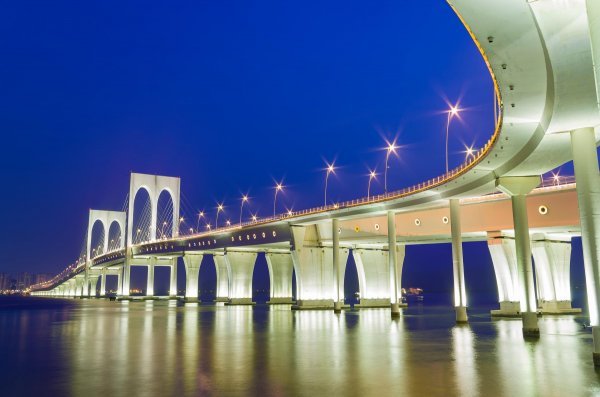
106 219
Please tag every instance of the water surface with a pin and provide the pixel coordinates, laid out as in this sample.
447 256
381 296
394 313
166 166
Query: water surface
164 348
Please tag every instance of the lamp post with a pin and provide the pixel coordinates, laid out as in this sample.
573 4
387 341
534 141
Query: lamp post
372 175
200 215
330 170
469 152
454 110
391 148
244 199
278 188
162 229
219 209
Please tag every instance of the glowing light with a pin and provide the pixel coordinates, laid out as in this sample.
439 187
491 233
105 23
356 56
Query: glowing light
279 187
228 222
289 212
254 218
244 198
181 219
454 110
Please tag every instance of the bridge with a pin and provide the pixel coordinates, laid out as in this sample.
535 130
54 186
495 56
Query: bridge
544 59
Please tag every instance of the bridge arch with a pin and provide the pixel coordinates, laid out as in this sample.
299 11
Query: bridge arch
154 185
106 218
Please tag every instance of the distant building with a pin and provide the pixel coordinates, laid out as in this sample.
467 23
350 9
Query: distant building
4 281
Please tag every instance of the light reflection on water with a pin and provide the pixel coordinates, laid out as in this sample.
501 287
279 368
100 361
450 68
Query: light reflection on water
161 348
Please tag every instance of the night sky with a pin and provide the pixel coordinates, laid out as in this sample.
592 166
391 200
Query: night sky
230 96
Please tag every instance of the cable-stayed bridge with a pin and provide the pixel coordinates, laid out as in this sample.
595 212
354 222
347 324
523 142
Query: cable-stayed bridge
544 59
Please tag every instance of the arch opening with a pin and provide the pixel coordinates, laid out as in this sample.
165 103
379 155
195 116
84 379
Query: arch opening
98 239
164 215
142 217
351 284
115 235
207 280
261 283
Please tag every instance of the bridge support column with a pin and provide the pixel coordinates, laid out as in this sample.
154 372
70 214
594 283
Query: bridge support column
373 268
552 270
92 283
241 267
460 294
585 161
394 274
223 276
173 282
313 264
192 264
119 281
504 258
125 279
518 188
337 274
103 283
85 287
150 279
281 269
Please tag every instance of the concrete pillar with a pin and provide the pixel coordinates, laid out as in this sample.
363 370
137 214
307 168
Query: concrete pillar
460 294
192 264
393 265
585 161
150 278
241 267
337 275
119 281
504 258
518 188
103 283
373 268
126 279
173 283
85 290
93 282
313 263
552 269
281 268
223 276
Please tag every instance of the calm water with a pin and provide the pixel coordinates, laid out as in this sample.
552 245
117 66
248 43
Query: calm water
163 348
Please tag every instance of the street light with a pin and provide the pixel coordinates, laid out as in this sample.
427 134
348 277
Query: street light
244 199
228 222
391 148
469 152
330 170
219 209
453 111
254 218
200 215
278 188
162 229
372 175
556 178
